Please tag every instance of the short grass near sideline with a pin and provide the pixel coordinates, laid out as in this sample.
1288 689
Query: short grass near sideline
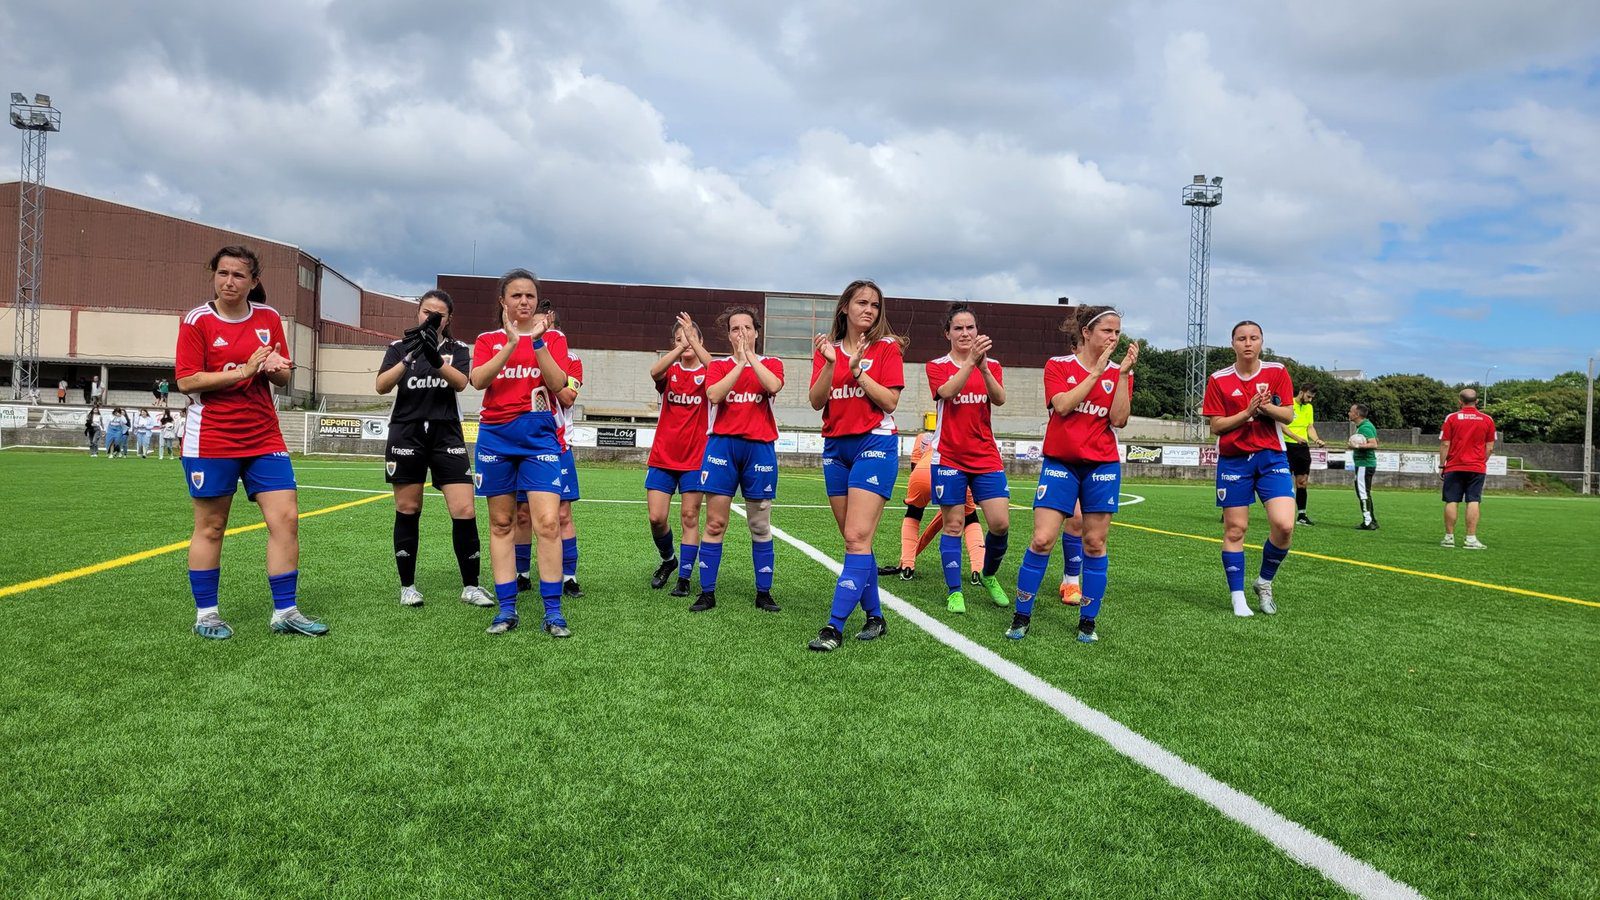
1448 734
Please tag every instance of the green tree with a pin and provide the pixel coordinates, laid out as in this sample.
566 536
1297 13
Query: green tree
1521 421
1380 399
1424 401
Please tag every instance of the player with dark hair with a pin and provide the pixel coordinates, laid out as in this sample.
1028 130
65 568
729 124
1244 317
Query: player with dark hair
230 352
677 451
1247 405
967 384
426 369
1088 396
857 374
1298 436
1363 442
741 454
565 399
519 445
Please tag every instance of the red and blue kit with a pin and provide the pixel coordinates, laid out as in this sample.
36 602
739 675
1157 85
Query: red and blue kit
232 433
680 441
860 448
569 463
1251 460
519 438
1081 466
740 453
965 455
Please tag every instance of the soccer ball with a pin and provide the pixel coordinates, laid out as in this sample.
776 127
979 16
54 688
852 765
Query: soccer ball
1358 440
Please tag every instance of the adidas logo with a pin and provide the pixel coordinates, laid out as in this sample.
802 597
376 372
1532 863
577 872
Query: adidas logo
872 480
556 482
765 570
1232 569
473 556
1072 379
1077 559
848 584
1238 393
401 554
219 342
952 564
701 564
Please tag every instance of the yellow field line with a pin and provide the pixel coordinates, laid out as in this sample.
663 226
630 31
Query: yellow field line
143 555
1379 566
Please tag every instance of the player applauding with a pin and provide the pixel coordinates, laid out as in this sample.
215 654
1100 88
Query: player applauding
1088 395
857 373
1248 404
228 352
675 455
967 384
740 454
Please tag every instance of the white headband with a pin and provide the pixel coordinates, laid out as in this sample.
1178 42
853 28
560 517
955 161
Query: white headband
1109 312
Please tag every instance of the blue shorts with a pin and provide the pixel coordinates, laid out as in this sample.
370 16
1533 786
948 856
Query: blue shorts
735 462
1264 474
870 462
220 477
953 483
521 455
671 481
569 477
1092 487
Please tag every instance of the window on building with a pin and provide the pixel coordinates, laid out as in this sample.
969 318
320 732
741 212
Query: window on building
792 321
308 279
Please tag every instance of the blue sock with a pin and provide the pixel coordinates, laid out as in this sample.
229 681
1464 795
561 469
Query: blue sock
524 557
551 592
1094 584
1233 567
203 584
710 565
870 603
507 595
950 559
1271 556
284 588
853 581
1028 577
663 543
994 551
569 557
1072 552
761 555
686 557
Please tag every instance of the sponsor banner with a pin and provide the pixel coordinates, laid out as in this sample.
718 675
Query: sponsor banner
1319 459
580 436
614 436
646 438
63 418
1419 463
811 443
788 442
1032 451
374 429
1180 456
17 416
1388 461
1209 456
339 426
1138 453
1496 466
469 432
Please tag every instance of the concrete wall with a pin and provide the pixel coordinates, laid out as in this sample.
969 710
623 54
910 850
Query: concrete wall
345 374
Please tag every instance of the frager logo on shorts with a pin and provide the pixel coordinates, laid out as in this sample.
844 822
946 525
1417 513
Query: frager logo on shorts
198 479
760 468
1040 492
873 454
390 467
548 457
403 451
1228 476
1103 476
946 473
488 458
716 461
457 451
1280 470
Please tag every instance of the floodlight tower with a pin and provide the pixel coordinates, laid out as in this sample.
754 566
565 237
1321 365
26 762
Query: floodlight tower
1200 196
36 119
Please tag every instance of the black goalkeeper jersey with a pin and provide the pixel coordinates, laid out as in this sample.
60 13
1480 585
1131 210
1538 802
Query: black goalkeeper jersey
422 395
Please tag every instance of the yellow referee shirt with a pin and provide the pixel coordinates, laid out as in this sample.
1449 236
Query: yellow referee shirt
1295 431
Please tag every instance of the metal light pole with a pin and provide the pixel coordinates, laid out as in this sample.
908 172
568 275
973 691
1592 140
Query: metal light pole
1200 196
1484 400
36 120
1588 433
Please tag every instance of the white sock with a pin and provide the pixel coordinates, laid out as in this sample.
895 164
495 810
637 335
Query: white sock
1240 606
284 613
1070 579
200 612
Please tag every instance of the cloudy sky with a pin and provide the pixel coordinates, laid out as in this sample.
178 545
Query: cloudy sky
1410 185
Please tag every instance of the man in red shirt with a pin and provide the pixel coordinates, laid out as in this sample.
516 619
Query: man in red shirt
1465 442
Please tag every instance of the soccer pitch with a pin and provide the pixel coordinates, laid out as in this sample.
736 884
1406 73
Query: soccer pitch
1445 733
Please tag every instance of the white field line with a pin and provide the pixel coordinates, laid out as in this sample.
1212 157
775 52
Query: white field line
1295 839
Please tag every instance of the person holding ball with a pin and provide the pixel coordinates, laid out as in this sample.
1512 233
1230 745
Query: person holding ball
1364 441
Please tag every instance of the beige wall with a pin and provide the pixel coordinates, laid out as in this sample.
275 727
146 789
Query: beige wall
302 343
55 331
123 335
346 372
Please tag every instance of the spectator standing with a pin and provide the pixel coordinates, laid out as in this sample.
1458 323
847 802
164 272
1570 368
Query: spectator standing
1465 442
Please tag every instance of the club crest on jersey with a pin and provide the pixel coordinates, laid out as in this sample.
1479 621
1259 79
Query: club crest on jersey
938 491
1106 384
198 479
1222 494
1262 388
477 480
265 335
1040 492
699 380
866 364
389 467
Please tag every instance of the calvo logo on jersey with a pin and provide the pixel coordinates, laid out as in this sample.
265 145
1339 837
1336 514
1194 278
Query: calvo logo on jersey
265 335
198 479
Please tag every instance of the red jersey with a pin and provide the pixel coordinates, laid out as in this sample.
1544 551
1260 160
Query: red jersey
1084 434
239 420
747 410
848 411
1227 393
519 387
681 429
574 369
1469 432
964 437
